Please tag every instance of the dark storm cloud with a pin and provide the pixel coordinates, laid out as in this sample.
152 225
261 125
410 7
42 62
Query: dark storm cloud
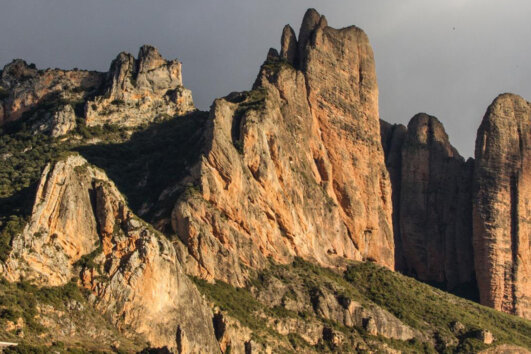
447 58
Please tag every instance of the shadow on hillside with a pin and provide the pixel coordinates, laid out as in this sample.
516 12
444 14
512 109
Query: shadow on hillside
151 161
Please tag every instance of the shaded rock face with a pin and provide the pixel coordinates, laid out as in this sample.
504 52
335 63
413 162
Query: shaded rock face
502 206
393 136
140 90
23 88
80 226
431 203
295 167
435 206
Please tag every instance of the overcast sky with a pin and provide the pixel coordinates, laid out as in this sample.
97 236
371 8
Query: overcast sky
447 58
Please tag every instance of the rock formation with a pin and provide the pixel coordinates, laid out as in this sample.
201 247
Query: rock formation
434 208
140 90
298 170
133 92
80 225
23 89
393 136
502 206
294 167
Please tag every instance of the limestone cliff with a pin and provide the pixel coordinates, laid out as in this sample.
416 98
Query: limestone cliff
502 206
431 186
294 167
81 226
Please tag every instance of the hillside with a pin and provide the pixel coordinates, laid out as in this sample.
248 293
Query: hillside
288 218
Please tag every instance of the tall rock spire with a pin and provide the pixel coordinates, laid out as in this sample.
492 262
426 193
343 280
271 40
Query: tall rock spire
502 206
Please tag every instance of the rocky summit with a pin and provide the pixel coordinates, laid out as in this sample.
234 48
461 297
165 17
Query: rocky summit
288 218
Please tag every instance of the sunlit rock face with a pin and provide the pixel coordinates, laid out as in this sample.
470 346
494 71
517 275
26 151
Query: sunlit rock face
294 167
80 227
139 91
502 206
24 89
133 92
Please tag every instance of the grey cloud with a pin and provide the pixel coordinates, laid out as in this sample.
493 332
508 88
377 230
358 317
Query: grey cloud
447 58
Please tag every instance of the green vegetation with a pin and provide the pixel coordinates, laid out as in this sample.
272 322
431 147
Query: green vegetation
23 157
247 101
273 65
423 307
239 302
87 261
118 102
13 226
142 161
151 160
418 305
25 308
19 300
58 347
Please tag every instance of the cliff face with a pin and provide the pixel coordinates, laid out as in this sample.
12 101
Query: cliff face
435 208
299 170
294 167
23 89
80 226
502 206
432 202
393 136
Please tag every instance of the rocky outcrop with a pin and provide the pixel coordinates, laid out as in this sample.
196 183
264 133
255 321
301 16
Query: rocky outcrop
502 206
62 227
294 167
24 89
291 292
80 225
133 92
432 207
139 91
435 206
57 123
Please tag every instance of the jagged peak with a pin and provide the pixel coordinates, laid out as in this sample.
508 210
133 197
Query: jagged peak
288 45
428 130
310 22
17 69
149 58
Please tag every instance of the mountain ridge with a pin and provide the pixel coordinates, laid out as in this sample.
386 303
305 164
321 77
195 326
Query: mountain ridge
299 170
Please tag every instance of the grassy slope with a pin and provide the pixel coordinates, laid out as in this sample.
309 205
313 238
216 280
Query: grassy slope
422 307
30 308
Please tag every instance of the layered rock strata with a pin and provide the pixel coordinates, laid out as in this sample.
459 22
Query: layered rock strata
80 226
294 167
502 206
